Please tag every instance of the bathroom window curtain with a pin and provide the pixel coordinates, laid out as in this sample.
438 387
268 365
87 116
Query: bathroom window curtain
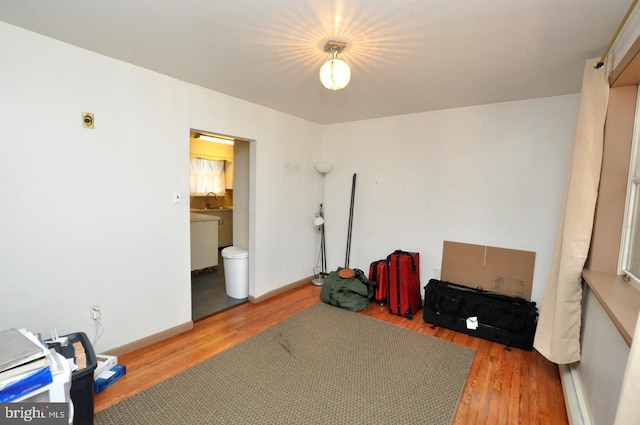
558 333
206 175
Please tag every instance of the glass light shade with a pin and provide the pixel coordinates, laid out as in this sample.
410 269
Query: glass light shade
323 167
335 74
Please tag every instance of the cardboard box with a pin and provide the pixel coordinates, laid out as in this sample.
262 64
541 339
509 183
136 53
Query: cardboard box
501 270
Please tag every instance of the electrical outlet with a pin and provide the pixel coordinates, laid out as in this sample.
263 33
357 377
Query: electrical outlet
95 311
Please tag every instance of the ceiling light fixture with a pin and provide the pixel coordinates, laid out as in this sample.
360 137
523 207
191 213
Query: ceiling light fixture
215 139
335 73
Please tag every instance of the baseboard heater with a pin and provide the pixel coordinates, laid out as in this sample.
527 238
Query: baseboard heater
574 400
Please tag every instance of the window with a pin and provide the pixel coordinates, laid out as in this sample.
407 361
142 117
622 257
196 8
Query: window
206 175
629 263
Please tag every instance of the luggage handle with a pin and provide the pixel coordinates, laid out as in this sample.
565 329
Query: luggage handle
401 252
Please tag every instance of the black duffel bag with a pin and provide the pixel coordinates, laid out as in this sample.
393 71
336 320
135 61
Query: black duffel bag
500 318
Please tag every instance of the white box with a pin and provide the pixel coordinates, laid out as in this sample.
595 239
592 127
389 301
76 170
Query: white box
104 362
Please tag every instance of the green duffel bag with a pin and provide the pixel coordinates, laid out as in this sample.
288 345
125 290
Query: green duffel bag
351 293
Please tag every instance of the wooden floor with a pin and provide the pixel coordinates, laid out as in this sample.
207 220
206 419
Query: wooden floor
503 387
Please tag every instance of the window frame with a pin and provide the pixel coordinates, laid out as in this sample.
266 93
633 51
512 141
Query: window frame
631 216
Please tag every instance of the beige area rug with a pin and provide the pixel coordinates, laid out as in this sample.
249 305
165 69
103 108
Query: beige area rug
324 365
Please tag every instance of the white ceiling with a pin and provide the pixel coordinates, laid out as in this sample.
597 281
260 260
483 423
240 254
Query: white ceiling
406 56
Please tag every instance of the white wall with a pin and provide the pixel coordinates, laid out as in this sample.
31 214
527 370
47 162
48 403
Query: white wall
600 371
87 215
491 175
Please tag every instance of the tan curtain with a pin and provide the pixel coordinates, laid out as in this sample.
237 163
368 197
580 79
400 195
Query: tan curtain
558 333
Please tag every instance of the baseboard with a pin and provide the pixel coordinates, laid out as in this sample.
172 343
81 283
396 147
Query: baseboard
151 339
574 400
168 333
281 290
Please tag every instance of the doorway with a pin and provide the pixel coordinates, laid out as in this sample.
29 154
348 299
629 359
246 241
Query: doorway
208 294
208 291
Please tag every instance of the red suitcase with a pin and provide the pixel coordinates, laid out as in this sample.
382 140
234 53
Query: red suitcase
404 283
379 273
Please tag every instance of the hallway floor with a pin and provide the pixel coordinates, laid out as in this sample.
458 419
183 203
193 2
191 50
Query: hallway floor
208 295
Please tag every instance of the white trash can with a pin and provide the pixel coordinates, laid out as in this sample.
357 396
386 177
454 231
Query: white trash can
236 271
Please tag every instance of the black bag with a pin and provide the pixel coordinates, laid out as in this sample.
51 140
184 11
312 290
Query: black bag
500 318
351 293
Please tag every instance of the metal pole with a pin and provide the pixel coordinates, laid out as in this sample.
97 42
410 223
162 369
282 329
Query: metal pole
353 193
